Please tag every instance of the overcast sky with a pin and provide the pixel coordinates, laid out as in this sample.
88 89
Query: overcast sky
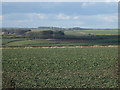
61 14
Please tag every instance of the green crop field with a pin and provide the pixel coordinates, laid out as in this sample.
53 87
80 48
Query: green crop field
92 67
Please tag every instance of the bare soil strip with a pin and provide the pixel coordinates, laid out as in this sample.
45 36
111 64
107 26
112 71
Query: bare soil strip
61 46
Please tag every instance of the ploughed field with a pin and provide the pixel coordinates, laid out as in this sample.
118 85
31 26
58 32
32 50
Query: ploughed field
60 67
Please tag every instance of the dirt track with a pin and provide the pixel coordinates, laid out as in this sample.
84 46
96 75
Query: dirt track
62 46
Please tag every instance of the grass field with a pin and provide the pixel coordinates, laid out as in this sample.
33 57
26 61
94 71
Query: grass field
83 35
86 32
93 67
6 41
93 32
45 42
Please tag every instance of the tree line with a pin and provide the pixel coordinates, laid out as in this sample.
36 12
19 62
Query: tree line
26 33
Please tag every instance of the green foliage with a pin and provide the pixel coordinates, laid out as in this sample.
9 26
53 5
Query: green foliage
45 34
87 67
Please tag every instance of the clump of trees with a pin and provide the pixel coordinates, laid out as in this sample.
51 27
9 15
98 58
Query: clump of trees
49 34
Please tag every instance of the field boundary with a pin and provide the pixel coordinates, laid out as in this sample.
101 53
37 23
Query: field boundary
13 47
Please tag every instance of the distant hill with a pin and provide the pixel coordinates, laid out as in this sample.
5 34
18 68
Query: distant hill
73 28
57 28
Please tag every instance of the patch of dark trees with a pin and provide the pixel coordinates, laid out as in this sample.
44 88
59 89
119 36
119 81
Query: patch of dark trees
45 35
